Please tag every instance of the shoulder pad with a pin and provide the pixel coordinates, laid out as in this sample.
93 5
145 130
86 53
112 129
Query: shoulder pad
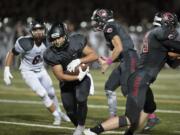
26 43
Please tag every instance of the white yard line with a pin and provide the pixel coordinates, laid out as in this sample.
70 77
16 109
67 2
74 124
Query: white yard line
49 126
90 105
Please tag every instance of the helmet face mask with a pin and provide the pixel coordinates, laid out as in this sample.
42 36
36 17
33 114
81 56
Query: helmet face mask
169 19
100 17
58 42
157 19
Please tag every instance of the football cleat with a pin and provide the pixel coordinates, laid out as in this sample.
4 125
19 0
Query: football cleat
57 121
151 123
79 130
89 132
64 117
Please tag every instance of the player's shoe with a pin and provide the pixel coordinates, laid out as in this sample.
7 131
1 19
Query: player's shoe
57 121
151 123
89 132
79 130
64 117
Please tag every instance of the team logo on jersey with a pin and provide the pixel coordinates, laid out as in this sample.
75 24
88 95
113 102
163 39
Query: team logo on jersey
109 30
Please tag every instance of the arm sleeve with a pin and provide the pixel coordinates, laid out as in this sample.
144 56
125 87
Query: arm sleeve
172 45
14 51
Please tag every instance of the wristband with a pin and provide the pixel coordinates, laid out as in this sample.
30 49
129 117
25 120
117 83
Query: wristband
109 61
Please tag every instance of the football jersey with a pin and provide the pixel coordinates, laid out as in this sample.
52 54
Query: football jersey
113 28
63 56
154 52
31 54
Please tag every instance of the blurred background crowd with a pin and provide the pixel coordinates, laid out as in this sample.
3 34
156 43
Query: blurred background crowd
135 15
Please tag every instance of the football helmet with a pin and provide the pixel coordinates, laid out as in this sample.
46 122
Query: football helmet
169 19
100 17
57 35
37 29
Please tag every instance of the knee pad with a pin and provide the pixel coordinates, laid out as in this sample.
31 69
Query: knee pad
81 98
123 121
41 92
110 93
45 98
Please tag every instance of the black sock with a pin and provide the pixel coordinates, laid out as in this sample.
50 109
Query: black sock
97 129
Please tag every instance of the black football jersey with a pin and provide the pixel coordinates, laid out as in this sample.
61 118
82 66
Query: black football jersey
114 28
154 52
63 56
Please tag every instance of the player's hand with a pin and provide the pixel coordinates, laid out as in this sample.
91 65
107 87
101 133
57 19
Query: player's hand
7 75
104 64
82 74
73 64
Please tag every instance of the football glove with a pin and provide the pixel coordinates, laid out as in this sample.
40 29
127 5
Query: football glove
82 74
7 75
73 64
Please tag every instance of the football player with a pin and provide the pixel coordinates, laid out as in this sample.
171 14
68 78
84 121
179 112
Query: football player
64 55
122 47
32 68
140 101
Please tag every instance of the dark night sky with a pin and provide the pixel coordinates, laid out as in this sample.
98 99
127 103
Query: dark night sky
130 11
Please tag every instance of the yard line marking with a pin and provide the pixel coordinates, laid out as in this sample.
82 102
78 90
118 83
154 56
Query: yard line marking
90 105
49 126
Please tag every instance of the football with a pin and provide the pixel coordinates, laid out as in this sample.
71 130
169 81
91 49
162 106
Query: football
76 72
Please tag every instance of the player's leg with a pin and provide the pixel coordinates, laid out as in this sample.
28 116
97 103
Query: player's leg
69 101
109 124
32 80
150 107
47 84
82 92
110 86
138 86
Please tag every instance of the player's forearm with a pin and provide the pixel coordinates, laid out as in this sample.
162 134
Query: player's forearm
89 58
175 45
9 58
115 54
118 47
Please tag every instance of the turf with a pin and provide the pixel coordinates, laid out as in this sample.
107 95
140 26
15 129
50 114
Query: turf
166 90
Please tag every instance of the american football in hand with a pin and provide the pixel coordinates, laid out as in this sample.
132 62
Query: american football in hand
76 72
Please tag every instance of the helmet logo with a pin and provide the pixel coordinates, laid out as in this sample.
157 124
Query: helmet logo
109 30
102 13
55 35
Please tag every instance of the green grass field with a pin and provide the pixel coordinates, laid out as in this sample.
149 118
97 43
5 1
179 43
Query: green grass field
22 113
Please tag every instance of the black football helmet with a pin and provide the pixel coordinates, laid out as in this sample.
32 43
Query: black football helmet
169 19
100 17
36 24
56 31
